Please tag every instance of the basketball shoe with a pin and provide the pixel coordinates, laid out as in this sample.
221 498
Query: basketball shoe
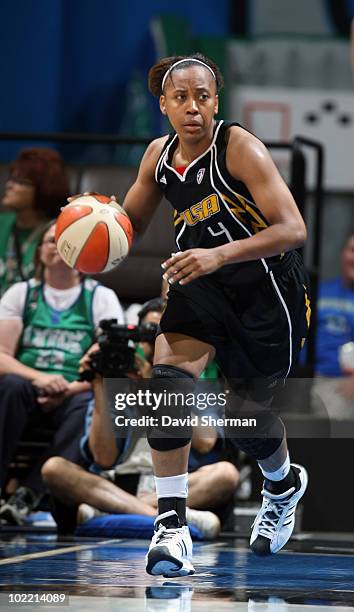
170 551
275 520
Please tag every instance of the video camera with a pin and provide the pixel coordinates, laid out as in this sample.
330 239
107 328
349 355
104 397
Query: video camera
116 355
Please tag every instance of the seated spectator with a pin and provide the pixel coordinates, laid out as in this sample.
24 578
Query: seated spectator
46 326
118 478
36 189
335 328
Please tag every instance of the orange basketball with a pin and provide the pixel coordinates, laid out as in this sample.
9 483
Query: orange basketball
93 234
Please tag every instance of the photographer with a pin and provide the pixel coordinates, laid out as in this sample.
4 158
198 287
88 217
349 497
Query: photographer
128 463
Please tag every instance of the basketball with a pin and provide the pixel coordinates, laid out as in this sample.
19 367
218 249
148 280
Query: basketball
93 234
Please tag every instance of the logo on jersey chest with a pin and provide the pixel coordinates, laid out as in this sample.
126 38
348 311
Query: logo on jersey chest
200 175
202 210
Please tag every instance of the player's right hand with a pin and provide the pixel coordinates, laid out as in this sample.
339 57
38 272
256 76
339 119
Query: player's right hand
50 384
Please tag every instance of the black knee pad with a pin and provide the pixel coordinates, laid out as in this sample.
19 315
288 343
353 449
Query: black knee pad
269 434
168 378
251 402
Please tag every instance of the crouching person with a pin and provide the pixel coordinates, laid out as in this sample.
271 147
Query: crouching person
118 471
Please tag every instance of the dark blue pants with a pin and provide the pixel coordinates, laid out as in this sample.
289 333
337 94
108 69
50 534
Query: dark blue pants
19 409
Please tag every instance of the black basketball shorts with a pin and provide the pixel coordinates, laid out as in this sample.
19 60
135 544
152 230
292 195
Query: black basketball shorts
257 329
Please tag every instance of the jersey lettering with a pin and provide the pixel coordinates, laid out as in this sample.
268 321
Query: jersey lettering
202 210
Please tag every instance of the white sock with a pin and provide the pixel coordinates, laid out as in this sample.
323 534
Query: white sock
280 473
172 486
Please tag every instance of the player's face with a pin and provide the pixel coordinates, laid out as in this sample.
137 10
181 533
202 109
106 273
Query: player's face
190 102
348 262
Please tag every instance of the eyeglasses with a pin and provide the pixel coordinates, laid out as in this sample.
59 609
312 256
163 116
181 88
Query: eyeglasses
50 240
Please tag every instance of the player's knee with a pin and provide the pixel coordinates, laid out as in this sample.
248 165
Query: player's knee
168 430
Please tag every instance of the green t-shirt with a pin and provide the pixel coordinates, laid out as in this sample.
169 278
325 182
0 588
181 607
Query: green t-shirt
10 267
53 341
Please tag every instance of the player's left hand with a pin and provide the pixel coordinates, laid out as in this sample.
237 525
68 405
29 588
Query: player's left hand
188 265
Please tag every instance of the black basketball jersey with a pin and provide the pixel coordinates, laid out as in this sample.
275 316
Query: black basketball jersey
212 208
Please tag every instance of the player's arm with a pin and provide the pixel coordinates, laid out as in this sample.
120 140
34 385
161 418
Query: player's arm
145 195
249 161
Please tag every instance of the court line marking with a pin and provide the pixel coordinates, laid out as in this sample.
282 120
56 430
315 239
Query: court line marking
52 553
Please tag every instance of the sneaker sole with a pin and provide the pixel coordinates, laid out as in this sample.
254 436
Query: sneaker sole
161 563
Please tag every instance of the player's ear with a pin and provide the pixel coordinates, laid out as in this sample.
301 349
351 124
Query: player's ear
216 106
163 105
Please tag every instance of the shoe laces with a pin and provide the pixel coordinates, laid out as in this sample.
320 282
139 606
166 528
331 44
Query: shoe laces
163 533
271 512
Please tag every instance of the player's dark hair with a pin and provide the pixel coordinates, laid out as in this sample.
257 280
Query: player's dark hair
44 168
158 70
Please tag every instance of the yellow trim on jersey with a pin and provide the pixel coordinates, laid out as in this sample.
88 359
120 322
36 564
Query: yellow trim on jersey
177 218
308 307
257 224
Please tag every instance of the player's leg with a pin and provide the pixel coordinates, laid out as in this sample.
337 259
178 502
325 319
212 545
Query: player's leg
179 360
284 483
269 351
283 487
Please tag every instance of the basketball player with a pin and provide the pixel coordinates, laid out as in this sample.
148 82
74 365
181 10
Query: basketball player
237 292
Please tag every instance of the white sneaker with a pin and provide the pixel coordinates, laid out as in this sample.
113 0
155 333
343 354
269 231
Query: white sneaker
207 522
19 506
85 512
170 551
275 520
